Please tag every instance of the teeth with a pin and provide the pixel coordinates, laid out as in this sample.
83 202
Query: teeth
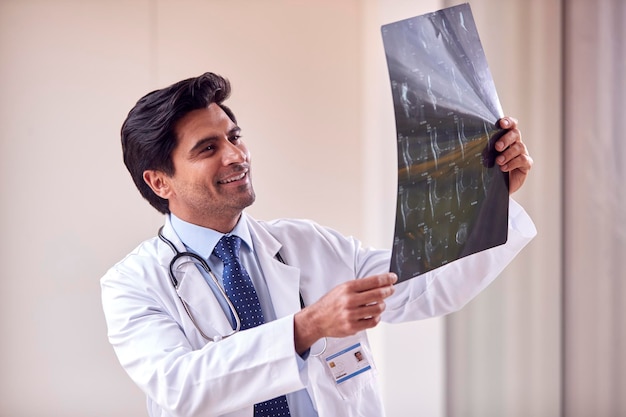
237 178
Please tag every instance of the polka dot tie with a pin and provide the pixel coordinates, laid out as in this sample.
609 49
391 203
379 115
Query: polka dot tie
240 290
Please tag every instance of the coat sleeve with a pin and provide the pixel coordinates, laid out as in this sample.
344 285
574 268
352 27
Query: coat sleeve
448 288
148 333
435 293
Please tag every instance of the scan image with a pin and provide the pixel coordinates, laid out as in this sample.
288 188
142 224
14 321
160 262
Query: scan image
452 198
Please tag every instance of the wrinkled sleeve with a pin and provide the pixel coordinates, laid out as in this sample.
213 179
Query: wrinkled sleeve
450 287
223 376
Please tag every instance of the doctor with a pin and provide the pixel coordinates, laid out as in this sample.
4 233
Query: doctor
188 342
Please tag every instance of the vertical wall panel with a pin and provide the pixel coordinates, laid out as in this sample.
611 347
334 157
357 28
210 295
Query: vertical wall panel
595 197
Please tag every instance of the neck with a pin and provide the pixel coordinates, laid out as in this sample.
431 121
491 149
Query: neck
222 224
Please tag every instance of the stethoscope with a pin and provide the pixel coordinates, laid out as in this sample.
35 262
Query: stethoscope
198 260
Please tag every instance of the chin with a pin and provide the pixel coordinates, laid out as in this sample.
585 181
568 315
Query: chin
248 200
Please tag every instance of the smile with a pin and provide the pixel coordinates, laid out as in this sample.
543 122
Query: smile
233 179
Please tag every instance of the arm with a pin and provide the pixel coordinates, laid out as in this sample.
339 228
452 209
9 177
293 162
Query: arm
341 311
162 352
450 287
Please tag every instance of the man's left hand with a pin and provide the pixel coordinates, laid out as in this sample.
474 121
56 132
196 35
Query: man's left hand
514 157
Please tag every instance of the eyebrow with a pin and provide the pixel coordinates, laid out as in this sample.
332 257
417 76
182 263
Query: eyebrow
204 141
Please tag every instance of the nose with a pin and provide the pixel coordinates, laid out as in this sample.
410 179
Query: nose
234 153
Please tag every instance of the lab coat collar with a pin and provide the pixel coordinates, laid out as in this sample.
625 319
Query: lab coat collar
283 280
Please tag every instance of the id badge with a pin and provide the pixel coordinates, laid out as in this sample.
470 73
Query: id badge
349 363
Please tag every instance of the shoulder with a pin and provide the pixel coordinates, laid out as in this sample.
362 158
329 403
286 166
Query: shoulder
302 240
298 231
141 262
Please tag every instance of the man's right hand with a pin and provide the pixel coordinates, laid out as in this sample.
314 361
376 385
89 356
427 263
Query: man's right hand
344 311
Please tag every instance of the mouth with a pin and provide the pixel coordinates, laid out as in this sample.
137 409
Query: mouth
238 177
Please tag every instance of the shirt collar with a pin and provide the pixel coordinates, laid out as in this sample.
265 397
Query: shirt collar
202 240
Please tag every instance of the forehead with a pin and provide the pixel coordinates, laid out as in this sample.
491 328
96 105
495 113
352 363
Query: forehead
203 123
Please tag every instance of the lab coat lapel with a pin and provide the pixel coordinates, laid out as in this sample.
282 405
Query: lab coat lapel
201 301
283 281
197 295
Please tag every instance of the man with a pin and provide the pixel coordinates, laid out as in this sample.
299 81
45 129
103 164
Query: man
310 292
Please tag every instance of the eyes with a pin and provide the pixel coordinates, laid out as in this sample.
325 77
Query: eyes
213 145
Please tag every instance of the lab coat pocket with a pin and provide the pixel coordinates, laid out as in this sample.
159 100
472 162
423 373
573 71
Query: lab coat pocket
348 363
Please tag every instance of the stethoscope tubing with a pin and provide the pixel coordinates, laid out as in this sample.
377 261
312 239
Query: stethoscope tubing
196 259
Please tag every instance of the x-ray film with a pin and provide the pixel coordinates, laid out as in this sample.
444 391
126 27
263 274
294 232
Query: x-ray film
452 198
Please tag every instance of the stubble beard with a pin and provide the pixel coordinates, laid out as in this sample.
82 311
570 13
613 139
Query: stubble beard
234 205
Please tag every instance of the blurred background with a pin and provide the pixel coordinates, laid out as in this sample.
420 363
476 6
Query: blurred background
312 95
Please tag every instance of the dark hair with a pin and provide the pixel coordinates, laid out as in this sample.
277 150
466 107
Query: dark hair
148 133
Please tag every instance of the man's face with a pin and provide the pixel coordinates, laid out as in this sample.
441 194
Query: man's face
211 184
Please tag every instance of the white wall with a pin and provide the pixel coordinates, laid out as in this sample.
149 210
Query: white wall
311 93
594 110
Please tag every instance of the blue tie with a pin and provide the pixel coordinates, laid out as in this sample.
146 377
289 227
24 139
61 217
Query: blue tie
240 290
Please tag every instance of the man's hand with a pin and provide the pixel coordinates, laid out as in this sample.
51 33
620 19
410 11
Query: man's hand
513 157
347 309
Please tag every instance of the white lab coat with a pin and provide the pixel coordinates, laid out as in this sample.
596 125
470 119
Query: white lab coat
184 375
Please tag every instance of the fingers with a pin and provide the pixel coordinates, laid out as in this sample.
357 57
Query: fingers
368 292
514 157
513 152
521 161
366 295
373 282
513 134
508 122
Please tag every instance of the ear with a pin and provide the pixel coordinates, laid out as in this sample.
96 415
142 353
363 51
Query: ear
158 181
